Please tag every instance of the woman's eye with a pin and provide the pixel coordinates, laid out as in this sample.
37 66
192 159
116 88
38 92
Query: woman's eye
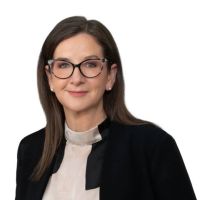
63 65
91 64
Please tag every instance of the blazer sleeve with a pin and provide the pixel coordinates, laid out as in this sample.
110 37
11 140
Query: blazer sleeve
169 174
28 155
20 177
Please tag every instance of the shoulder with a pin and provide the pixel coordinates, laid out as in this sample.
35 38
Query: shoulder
32 144
147 141
34 138
148 134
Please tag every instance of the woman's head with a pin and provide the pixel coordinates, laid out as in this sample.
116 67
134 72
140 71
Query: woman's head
80 89
62 33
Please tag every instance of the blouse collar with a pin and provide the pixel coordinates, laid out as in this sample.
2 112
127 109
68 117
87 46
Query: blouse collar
83 138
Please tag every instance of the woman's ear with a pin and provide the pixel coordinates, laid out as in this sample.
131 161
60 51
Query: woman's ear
48 72
111 77
49 76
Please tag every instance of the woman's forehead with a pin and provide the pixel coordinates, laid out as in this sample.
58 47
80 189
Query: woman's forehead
82 45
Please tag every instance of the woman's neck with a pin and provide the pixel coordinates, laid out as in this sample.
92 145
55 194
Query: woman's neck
84 121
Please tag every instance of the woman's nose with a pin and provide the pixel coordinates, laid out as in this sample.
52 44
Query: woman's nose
76 77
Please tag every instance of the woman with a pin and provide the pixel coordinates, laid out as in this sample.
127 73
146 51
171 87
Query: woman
91 147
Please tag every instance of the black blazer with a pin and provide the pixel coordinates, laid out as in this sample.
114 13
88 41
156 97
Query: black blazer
140 162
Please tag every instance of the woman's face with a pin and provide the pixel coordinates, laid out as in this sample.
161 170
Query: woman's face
78 93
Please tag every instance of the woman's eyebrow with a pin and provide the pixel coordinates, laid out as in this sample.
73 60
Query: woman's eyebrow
91 57
62 58
84 58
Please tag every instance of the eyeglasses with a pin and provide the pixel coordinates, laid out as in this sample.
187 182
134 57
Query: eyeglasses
63 69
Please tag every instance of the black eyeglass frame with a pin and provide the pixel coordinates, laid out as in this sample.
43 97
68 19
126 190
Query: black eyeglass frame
50 62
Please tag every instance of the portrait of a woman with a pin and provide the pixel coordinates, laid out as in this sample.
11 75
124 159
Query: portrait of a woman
92 147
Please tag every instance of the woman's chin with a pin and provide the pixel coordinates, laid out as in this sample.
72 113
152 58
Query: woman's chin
76 109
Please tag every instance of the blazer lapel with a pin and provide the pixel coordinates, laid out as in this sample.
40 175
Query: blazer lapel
36 189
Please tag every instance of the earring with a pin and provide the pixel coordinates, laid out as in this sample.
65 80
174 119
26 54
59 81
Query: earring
51 89
109 88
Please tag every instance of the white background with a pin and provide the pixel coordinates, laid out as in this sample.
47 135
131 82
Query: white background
159 42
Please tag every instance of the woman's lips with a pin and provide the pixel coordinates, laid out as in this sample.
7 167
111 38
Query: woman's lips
77 93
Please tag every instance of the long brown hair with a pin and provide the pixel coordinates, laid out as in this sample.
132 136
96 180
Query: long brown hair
113 101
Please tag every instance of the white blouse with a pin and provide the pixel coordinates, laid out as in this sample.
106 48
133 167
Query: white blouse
68 183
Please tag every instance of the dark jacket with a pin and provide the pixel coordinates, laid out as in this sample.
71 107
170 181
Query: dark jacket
132 162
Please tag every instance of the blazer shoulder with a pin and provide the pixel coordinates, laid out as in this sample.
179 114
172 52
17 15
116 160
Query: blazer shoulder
148 133
35 137
146 142
32 144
